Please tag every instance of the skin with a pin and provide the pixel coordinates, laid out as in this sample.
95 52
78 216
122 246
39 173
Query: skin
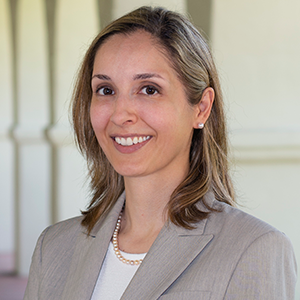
136 93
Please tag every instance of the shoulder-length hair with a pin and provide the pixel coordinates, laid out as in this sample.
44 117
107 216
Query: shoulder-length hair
191 58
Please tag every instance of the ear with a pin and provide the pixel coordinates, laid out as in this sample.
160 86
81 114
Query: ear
203 108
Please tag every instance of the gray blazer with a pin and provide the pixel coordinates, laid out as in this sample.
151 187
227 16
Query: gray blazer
231 255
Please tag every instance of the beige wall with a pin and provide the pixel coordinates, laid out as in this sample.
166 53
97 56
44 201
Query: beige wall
257 45
42 176
7 224
120 7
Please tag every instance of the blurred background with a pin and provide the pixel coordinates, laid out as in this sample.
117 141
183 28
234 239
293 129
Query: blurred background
256 44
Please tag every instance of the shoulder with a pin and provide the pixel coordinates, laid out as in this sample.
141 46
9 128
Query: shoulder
242 257
52 257
238 234
66 228
248 232
69 226
60 236
242 225
261 258
249 256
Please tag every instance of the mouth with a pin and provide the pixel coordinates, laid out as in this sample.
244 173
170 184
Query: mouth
129 141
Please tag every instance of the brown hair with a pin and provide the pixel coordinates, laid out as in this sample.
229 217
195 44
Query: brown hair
191 58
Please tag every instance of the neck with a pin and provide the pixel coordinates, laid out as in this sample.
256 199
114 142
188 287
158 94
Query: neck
145 211
147 197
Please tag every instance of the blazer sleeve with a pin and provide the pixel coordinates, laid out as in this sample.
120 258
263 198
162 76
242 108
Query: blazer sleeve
32 289
266 270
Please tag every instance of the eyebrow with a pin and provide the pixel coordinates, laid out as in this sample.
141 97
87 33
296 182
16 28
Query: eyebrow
102 77
146 76
141 76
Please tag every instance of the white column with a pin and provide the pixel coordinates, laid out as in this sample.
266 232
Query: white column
6 145
121 7
76 27
33 117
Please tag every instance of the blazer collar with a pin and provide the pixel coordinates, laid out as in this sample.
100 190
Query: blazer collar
111 218
89 255
200 227
171 253
168 257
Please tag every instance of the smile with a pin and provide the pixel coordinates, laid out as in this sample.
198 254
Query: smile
131 141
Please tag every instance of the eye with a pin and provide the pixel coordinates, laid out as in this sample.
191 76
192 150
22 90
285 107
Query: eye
149 90
105 91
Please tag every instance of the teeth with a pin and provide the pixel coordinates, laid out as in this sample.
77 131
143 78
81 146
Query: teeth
129 141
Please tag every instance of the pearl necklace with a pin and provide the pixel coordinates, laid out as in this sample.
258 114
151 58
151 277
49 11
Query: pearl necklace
116 246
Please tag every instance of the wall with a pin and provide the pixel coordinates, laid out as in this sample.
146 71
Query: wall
6 146
42 173
257 46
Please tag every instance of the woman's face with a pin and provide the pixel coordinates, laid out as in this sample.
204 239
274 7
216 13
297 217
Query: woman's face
139 111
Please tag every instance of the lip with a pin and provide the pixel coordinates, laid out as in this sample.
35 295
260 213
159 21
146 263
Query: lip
132 148
128 135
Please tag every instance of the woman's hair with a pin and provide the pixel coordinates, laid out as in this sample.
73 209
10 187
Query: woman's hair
190 56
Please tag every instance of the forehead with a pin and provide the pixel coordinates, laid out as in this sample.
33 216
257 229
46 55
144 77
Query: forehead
136 36
139 47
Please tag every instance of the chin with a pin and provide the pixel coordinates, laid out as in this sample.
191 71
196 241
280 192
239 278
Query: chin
129 171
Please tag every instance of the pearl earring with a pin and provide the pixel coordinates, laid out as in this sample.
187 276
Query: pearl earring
200 125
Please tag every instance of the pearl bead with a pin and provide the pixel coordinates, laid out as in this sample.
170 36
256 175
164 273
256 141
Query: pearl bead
116 246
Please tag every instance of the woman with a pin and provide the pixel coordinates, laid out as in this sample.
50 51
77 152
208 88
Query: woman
148 117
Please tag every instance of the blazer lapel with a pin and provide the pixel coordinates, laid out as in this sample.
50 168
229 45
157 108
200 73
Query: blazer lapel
171 253
89 255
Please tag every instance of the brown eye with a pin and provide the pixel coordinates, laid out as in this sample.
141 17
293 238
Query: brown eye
149 90
106 91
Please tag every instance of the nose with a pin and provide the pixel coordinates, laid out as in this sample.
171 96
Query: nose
124 111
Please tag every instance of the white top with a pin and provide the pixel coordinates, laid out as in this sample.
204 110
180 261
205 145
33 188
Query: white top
114 276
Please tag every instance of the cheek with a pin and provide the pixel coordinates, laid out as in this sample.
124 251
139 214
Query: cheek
156 114
99 117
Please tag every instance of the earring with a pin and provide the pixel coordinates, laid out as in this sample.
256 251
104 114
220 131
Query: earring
200 125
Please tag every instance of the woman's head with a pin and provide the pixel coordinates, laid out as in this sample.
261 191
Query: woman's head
190 57
139 110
